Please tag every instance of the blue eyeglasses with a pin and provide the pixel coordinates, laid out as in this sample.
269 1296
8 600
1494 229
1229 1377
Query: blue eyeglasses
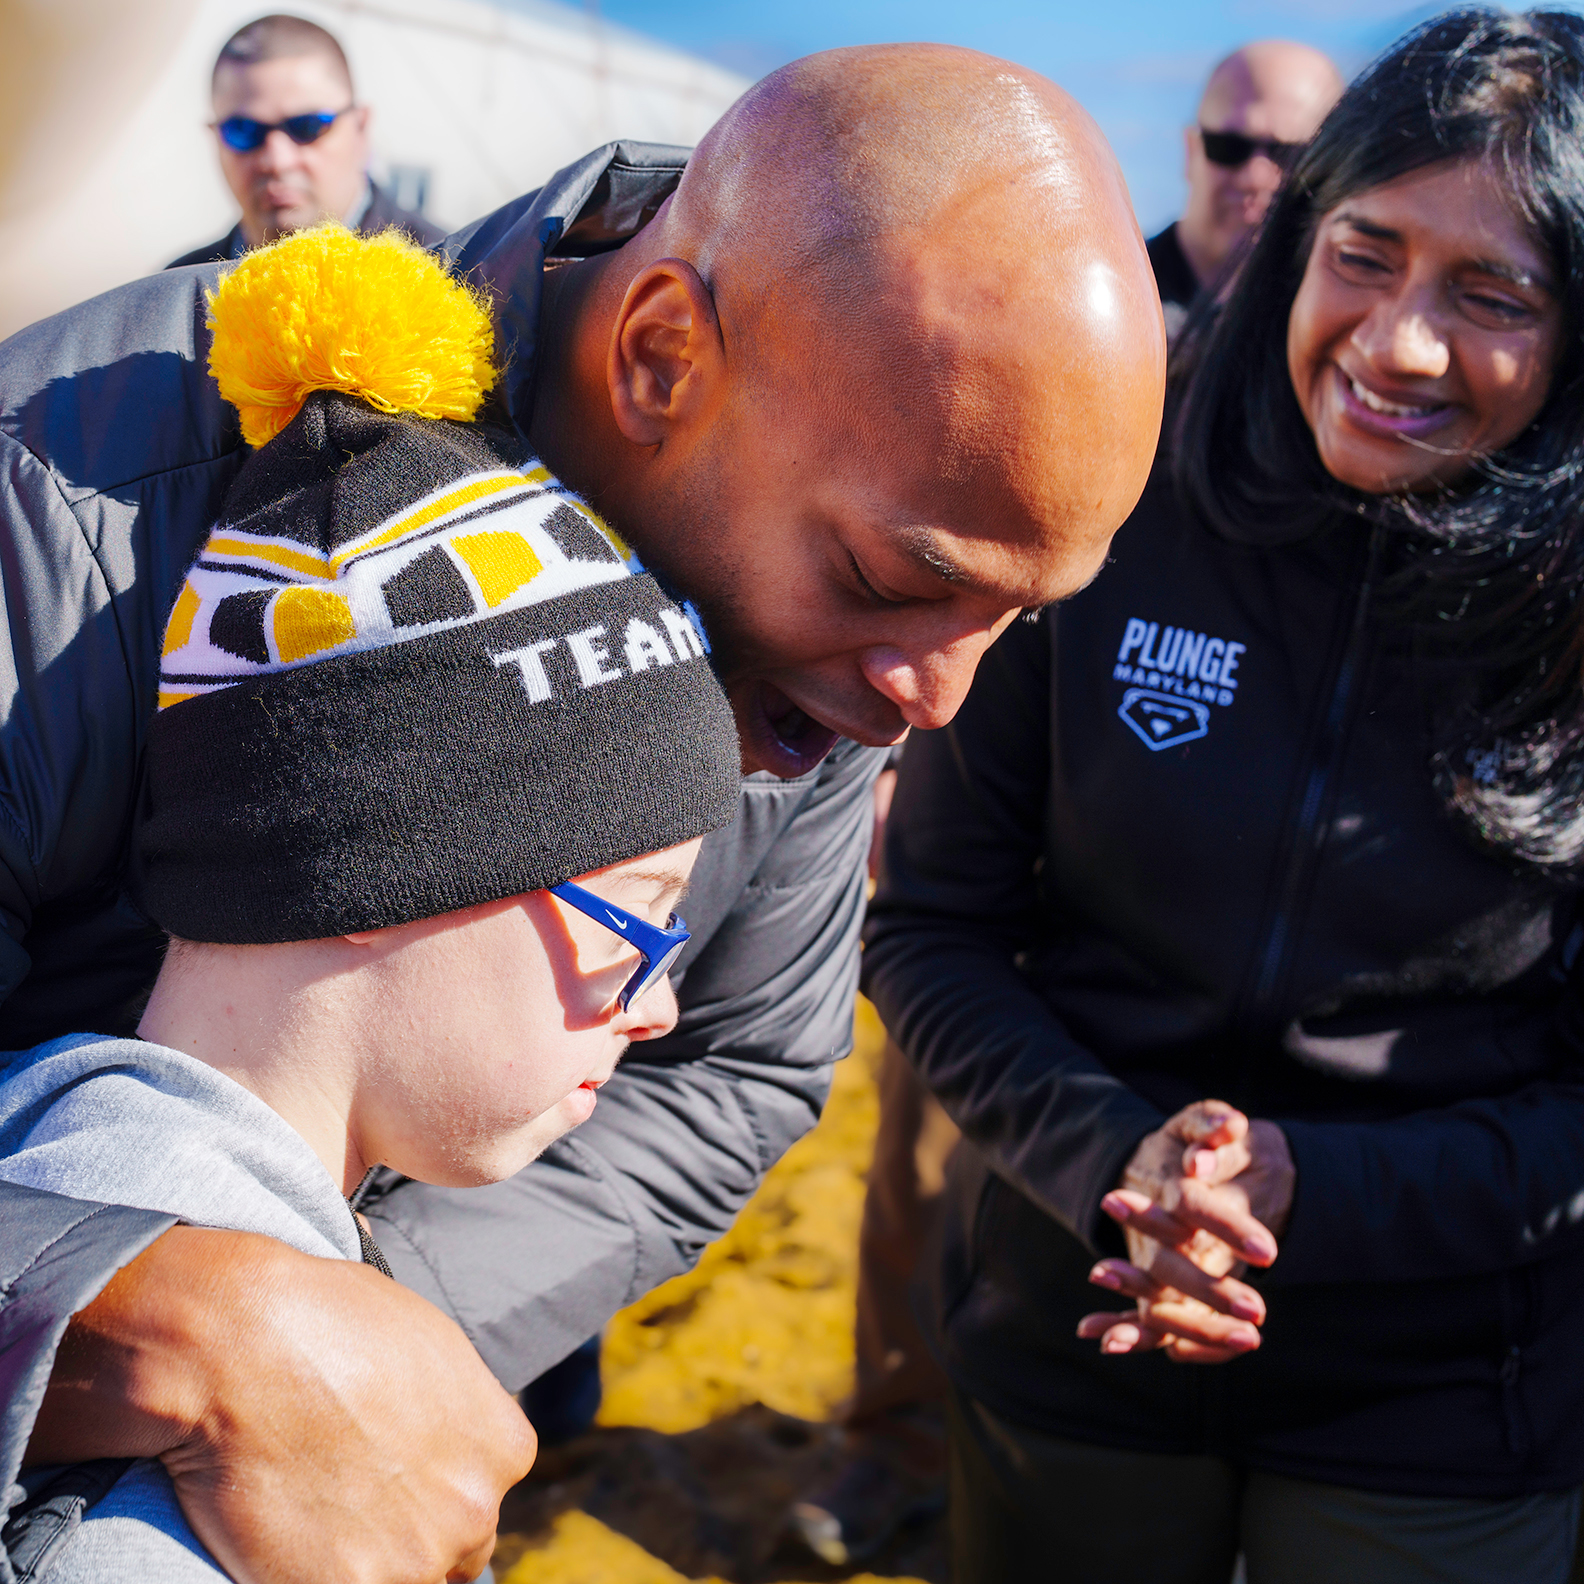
244 134
657 948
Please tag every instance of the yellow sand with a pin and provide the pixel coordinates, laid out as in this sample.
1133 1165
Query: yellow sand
581 1550
766 1316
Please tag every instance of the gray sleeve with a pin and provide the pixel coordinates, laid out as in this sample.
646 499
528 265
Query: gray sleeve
56 1256
115 453
112 455
958 903
56 605
683 1135
55 1253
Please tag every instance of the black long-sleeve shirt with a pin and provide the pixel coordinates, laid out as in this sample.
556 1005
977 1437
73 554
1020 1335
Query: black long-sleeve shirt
1181 842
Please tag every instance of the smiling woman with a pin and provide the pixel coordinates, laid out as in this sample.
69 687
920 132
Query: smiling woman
1403 347
1282 816
1426 330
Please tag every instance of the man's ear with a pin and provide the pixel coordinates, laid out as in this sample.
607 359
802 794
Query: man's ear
667 361
360 116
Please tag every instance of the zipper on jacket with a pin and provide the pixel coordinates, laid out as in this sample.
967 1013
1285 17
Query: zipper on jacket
1308 832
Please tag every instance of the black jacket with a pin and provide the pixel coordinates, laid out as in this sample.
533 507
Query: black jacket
1181 842
115 455
381 213
1174 277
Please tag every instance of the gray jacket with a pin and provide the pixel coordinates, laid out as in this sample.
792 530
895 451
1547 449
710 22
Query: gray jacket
115 455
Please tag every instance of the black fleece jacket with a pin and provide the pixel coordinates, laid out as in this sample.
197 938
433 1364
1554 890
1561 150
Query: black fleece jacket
1181 842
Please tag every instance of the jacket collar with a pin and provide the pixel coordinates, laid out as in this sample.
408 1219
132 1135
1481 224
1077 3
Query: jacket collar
591 206
370 213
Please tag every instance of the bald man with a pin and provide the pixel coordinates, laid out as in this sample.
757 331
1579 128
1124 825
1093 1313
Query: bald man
1260 106
880 367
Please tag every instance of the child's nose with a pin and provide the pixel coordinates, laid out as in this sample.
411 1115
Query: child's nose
654 1013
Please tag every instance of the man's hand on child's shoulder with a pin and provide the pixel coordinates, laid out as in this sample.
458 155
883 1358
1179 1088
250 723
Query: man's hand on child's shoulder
318 1419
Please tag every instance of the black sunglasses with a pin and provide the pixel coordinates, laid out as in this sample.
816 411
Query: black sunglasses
244 134
1232 149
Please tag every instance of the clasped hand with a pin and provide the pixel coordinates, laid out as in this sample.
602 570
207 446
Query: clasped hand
1204 1197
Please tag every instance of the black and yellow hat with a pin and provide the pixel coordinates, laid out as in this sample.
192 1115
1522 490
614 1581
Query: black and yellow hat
408 671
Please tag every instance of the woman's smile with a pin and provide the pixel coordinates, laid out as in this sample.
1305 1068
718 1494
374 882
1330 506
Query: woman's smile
1373 410
1425 331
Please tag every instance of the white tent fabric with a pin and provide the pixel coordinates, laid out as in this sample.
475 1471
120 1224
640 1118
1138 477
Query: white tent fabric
107 169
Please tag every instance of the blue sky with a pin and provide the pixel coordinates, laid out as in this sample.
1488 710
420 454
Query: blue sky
1137 65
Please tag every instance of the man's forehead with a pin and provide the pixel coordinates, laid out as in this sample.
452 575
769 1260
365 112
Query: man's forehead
299 83
1279 93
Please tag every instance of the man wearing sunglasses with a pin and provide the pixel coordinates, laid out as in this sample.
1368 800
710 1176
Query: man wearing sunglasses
293 141
1261 105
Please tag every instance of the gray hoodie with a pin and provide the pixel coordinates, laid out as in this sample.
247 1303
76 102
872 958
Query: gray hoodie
137 1124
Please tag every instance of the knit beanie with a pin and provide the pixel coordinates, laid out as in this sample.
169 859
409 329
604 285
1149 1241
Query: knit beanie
408 672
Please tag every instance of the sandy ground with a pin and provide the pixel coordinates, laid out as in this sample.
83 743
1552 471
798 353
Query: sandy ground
720 1390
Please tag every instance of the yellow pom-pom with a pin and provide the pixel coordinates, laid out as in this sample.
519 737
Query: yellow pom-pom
376 317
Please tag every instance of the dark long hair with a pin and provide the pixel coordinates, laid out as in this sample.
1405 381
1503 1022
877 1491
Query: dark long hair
1489 573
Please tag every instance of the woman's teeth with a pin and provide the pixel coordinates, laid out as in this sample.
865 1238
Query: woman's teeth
1389 409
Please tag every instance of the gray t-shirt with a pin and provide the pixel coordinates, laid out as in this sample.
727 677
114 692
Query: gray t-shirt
137 1124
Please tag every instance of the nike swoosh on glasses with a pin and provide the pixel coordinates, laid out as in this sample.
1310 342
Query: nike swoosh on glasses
620 924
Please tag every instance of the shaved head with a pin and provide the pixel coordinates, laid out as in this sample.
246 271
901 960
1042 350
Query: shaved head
1294 84
865 145
1271 91
947 226
906 340
281 37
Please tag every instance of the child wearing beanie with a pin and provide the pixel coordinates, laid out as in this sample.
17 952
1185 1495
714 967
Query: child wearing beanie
431 765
